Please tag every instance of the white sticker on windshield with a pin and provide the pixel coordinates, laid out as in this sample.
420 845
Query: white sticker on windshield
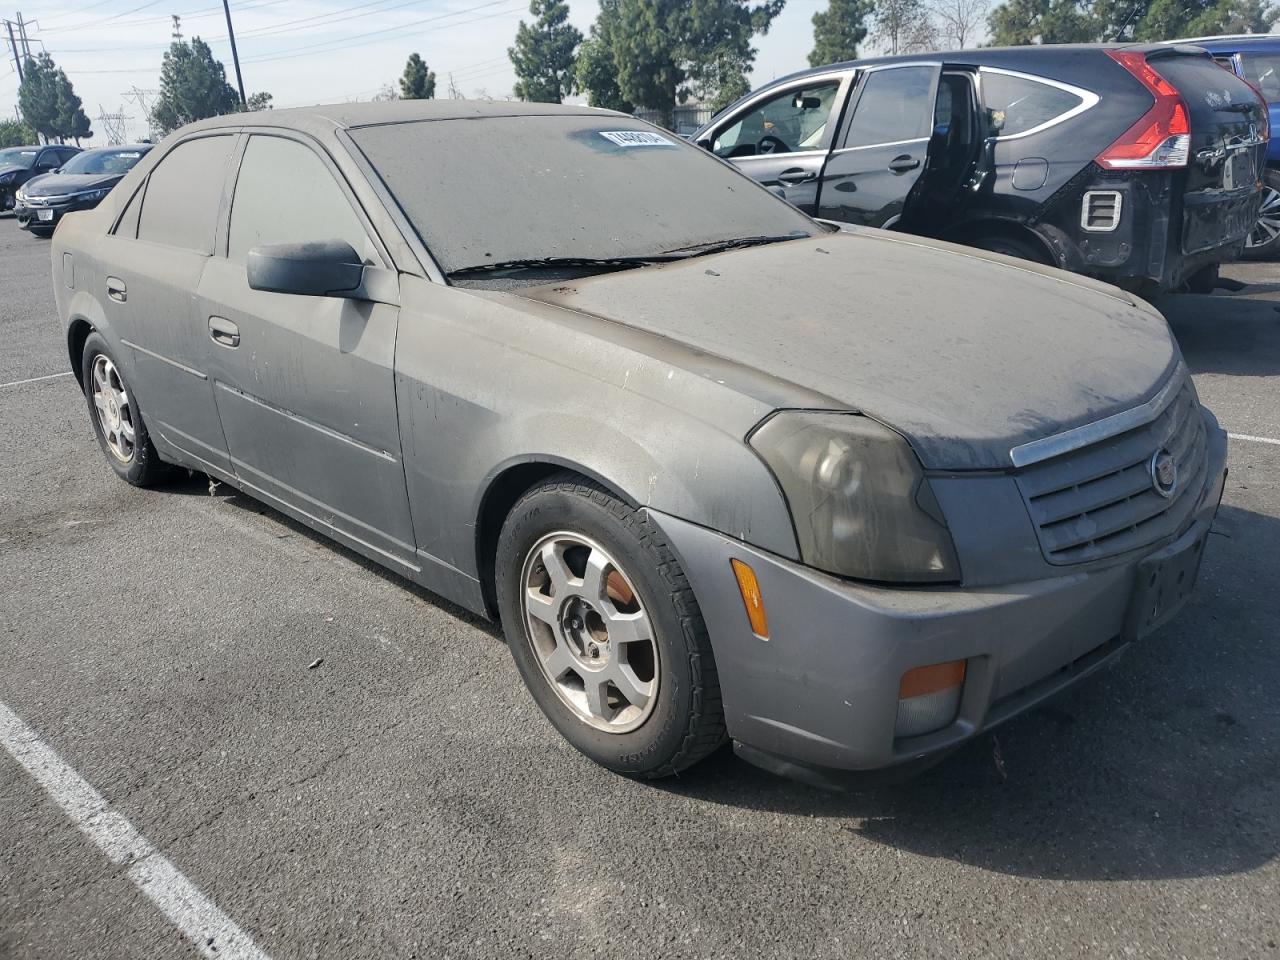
636 138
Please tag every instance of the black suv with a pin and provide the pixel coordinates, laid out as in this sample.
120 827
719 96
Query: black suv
20 164
1136 164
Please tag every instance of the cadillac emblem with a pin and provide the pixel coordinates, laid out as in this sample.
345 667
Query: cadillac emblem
1164 473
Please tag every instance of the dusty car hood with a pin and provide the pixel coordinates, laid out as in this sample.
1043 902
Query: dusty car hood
965 354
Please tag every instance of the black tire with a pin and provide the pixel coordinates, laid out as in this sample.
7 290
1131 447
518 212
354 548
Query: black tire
1266 246
1012 247
686 722
144 468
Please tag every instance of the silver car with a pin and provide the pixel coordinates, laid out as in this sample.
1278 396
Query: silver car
841 496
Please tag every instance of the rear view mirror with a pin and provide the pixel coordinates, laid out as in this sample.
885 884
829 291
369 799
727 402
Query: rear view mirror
323 268
800 102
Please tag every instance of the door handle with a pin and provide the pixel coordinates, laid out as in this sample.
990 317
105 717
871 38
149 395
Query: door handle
903 163
117 290
223 331
797 175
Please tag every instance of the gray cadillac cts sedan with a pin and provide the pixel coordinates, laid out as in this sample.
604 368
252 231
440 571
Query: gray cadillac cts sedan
723 472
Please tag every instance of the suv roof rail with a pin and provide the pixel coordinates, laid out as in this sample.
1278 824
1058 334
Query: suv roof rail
1226 36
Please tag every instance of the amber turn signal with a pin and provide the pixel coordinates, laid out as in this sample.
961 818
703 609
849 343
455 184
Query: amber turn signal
752 599
931 679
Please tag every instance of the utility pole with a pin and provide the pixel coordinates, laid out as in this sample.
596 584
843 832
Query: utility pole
22 35
235 57
17 60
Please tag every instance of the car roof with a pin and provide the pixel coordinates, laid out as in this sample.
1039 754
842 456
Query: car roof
348 116
980 56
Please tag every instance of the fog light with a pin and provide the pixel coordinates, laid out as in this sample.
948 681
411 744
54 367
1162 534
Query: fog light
929 698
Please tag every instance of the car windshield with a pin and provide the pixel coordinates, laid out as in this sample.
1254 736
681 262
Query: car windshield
18 157
103 162
554 187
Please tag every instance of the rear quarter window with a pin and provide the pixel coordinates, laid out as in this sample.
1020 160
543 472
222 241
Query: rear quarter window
1015 105
180 207
1263 71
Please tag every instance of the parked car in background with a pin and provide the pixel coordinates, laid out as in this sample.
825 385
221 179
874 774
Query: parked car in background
1256 59
80 184
722 471
1135 164
20 164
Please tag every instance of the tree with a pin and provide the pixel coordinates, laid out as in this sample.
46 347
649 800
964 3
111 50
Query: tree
386 93
959 21
15 133
418 82
1020 22
596 71
838 30
904 26
38 95
193 86
259 101
667 51
544 53
71 122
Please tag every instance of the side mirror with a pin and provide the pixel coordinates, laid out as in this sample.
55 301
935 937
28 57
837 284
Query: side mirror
323 268
705 143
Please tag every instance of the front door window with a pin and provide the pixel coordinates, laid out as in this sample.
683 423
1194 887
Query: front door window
789 122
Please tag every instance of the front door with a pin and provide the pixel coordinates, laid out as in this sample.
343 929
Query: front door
883 147
148 267
304 385
781 139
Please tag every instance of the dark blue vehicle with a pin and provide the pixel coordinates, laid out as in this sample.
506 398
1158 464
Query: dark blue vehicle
1255 58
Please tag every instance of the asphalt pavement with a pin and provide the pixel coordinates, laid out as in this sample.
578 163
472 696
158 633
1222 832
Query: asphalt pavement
404 797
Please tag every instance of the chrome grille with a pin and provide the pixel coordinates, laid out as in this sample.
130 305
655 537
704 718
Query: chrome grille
1101 501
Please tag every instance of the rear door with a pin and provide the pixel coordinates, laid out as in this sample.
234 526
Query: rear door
1227 156
148 267
781 138
881 151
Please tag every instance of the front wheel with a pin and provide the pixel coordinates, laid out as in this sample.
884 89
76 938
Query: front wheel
1263 241
605 630
117 421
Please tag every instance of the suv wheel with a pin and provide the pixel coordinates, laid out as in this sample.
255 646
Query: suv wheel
605 630
1263 241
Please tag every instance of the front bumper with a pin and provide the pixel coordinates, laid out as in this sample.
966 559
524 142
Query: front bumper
820 696
29 217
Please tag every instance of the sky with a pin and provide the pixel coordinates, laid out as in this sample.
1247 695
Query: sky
316 52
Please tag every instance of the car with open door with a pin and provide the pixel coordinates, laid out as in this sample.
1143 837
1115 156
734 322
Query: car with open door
722 471
1255 59
1139 165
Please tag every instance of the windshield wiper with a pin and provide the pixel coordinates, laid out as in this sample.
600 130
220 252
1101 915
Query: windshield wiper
716 246
551 263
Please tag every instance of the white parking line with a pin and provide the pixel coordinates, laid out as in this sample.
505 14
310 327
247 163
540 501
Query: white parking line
52 376
1252 439
212 932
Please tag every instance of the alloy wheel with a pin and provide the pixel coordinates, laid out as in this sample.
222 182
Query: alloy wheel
1267 227
590 632
115 409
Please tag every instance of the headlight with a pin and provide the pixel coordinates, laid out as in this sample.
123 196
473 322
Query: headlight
93 194
858 497
21 195
6 179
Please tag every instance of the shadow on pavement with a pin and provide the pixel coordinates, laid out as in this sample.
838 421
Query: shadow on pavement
1236 335
1166 766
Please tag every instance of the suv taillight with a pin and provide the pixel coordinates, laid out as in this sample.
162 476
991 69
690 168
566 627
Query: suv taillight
1162 137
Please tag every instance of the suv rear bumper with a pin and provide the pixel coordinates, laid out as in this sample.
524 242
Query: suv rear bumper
819 698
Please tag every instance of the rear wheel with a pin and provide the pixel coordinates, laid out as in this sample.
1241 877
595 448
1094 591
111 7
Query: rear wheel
117 421
605 630
1263 241
1012 247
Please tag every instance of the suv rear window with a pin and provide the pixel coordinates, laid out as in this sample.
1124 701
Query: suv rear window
1017 105
1263 71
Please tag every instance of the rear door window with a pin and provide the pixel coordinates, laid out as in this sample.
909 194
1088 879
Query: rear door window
286 194
180 208
1263 71
1016 105
895 105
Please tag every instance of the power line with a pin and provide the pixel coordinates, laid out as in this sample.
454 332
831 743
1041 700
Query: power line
108 23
